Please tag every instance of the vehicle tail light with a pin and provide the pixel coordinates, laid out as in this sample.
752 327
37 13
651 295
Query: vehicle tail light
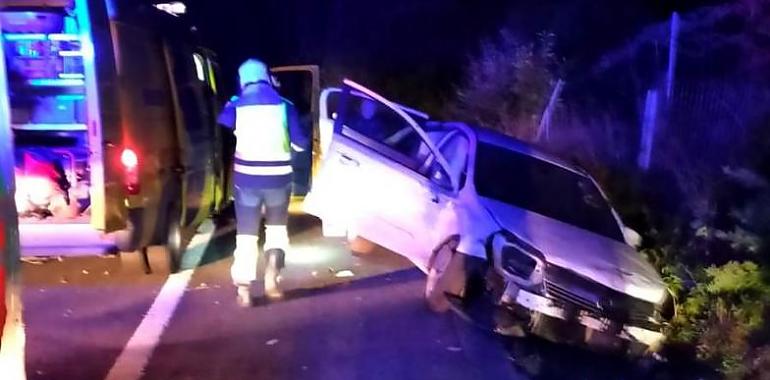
130 162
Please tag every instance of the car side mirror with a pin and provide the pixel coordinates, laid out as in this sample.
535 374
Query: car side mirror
632 237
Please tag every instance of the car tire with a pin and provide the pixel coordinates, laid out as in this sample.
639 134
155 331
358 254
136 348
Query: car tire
447 274
360 247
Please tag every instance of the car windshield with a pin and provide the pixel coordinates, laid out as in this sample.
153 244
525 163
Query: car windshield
547 189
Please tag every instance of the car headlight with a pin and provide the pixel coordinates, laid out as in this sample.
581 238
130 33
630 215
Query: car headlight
517 261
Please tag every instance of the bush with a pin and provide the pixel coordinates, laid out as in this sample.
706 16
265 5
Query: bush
722 314
507 85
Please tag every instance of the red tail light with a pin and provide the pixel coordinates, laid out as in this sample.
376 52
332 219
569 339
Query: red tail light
129 158
130 162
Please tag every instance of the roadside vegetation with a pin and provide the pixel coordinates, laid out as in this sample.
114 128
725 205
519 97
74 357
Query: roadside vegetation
703 204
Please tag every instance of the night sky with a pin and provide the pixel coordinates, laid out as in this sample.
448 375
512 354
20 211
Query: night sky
421 43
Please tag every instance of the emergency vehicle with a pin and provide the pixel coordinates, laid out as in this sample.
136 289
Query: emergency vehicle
11 327
113 113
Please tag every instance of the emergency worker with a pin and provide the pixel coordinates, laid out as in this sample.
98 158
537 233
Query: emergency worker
266 128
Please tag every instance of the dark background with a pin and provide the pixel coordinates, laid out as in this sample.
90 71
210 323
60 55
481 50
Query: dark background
403 46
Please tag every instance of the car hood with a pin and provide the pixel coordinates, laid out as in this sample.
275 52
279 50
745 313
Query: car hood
598 258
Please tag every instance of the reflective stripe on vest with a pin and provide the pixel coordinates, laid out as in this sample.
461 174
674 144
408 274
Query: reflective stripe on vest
262 133
263 170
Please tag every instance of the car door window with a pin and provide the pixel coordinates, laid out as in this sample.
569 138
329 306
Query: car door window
383 130
453 145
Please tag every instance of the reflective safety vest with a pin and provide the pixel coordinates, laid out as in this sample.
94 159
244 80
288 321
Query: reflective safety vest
263 145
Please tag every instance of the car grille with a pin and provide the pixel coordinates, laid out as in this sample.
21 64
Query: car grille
576 293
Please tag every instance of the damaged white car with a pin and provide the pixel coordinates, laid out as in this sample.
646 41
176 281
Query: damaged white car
470 206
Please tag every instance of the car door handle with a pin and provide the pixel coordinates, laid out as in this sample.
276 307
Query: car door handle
346 160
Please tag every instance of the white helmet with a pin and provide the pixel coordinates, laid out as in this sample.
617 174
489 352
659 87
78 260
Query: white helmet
253 71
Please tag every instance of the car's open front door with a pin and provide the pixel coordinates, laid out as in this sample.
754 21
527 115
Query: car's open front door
373 182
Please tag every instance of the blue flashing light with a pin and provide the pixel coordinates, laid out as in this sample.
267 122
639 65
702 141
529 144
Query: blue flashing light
44 82
70 97
24 37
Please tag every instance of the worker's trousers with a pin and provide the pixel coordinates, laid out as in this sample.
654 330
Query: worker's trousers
251 205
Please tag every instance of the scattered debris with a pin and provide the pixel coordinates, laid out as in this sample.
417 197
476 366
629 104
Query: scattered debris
216 302
271 342
359 298
64 280
35 260
454 349
202 286
106 273
85 271
314 273
344 274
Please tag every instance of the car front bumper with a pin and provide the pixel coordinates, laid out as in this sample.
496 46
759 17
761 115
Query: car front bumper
534 303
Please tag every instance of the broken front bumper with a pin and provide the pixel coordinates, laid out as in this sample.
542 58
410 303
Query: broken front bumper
538 304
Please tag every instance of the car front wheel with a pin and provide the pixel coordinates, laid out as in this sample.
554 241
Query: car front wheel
447 275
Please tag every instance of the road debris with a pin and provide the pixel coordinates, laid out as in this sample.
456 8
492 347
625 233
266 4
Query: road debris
344 274
35 260
202 286
454 349
271 342
85 271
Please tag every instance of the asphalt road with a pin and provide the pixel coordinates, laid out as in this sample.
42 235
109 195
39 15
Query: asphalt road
81 312
343 317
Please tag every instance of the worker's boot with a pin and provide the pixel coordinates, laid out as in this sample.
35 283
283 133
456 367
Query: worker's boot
275 262
244 268
244 296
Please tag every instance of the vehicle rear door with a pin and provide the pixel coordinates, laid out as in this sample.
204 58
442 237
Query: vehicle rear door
196 124
105 132
373 182
301 86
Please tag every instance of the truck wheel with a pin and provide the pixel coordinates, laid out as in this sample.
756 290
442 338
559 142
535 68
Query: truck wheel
175 242
446 274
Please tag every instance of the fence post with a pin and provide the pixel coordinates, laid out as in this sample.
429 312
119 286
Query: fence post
12 328
672 51
544 129
648 129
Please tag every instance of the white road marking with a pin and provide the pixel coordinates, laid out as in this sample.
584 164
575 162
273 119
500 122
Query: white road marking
136 354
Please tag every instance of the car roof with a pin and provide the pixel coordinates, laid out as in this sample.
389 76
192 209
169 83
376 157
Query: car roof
502 140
